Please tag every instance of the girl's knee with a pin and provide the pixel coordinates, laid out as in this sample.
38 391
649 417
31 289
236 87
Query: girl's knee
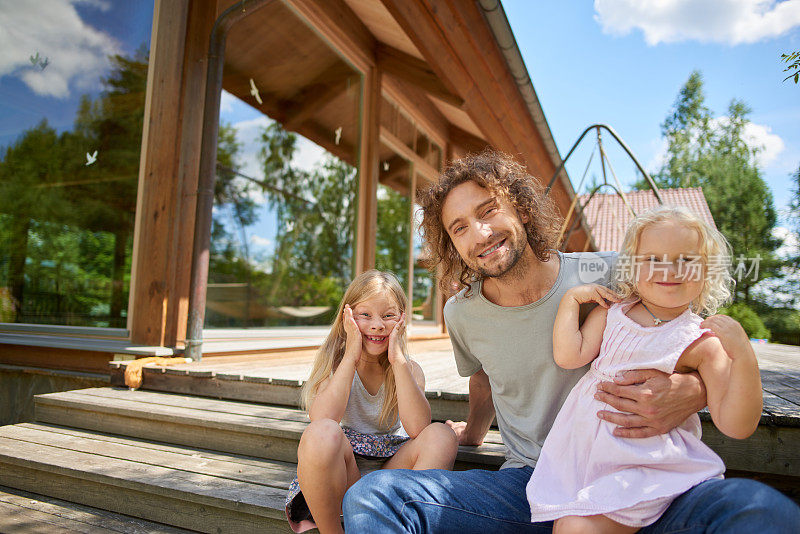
320 437
439 434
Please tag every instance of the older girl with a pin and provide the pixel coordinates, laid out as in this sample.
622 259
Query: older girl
366 401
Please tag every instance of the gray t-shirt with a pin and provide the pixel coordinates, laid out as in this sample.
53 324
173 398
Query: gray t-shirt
514 346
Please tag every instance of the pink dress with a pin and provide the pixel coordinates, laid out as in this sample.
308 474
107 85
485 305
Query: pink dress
584 469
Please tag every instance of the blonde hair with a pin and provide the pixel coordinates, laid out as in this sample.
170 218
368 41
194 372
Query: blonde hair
365 286
717 282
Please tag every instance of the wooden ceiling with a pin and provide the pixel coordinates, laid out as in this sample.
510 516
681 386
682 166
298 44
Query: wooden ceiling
438 59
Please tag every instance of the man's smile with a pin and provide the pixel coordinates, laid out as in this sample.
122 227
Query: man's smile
491 249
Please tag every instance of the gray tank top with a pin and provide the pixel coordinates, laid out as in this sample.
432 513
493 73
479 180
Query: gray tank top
363 411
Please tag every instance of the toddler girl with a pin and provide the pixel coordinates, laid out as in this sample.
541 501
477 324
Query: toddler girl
671 268
366 401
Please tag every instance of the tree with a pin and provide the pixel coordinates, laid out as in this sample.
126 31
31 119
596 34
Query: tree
793 62
713 154
688 133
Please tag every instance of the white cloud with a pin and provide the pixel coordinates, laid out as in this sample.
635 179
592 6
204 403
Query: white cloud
718 21
77 53
309 155
768 143
660 156
248 133
226 102
262 242
790 246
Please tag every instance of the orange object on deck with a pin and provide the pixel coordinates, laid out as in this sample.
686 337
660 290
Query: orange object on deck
133 371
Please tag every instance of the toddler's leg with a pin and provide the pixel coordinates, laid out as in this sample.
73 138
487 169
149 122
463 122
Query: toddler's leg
326 467
594 524
434 448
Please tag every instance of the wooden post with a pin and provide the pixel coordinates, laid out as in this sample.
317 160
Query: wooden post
155 207
202 15
367 219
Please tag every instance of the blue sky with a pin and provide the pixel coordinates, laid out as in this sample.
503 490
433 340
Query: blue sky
623 62
76 37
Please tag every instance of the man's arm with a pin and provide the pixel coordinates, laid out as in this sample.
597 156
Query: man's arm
481 412
654 402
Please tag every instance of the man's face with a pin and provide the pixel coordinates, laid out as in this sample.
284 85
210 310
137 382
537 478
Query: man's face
487 232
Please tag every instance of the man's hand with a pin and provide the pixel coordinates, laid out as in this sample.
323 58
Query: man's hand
460 427
654 402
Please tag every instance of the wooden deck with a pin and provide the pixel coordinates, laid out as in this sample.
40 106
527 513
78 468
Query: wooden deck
779 364
771 454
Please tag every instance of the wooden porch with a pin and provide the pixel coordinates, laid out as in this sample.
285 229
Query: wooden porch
211 446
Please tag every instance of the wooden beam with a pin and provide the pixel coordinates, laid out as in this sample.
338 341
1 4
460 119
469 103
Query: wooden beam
414 71
466 141
315 102
367 221
421 167
418 106
156 210
341 27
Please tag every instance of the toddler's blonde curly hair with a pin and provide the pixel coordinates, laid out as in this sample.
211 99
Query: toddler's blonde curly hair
714 249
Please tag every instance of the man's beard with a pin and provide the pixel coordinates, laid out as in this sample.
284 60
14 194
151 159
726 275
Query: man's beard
507 267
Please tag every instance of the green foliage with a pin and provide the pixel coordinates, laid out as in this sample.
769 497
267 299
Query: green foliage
394 232
793 62
65 227
784 324
749 320
714 155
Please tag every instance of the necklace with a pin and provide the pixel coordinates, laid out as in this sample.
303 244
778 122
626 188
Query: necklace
656 320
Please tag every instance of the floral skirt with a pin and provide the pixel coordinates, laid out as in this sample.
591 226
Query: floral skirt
371 452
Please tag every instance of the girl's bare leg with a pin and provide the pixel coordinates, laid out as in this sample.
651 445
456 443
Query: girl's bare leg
594 524
434 448
326 467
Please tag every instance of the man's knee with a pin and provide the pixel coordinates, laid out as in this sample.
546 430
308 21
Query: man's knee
755 498
365 492
739 504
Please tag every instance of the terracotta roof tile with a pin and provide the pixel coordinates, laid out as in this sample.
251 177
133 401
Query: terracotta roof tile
608 217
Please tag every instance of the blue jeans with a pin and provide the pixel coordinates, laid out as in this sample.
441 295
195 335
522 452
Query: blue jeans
488 502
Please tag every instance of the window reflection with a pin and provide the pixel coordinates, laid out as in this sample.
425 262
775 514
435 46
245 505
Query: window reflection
283 234
72 90
424 290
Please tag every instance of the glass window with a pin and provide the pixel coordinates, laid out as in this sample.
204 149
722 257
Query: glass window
283 233
392 242
72 90
424 294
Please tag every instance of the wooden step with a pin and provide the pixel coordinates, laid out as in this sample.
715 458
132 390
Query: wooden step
30 513
232 385
186 487
263 431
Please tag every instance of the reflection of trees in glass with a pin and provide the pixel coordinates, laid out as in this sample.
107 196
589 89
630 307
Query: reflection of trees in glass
65 227
394 232
311 263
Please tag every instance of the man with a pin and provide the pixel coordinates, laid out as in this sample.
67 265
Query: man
494 233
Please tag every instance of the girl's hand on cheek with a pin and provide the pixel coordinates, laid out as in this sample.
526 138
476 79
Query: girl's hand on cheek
395 351
353 345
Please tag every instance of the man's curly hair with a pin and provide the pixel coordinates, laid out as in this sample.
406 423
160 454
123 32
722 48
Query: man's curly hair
504 178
